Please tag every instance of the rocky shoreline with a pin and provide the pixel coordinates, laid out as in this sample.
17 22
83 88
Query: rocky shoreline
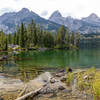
57 89
49 86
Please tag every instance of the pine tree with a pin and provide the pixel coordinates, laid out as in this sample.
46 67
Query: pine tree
2 40
48 40
72 39
61 36
67 38
21 41
6 44
32 35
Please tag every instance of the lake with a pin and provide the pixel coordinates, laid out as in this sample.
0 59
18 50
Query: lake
82 58
27 65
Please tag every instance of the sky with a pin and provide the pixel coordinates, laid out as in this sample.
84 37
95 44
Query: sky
74 8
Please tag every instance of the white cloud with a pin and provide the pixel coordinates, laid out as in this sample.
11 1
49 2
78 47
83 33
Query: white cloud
44 13
5 10
75 8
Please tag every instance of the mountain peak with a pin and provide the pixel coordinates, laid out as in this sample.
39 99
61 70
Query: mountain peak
24 10
93 15
69 17
56 14
92 18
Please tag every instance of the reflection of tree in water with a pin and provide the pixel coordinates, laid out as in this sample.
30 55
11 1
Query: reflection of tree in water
1 68
27 73
53 58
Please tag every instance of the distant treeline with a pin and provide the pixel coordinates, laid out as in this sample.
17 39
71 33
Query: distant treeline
31 36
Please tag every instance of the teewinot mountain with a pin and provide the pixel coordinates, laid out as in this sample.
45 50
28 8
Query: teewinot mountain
90 24
9 22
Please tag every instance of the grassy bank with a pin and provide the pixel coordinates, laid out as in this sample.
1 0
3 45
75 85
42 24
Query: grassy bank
88 81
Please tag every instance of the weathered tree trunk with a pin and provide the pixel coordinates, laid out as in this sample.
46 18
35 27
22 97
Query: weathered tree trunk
33 93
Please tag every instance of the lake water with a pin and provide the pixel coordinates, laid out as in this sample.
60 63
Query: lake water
27 65
82 58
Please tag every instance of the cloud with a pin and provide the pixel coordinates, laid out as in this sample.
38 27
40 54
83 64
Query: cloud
5 10
75 8
44 13
16 0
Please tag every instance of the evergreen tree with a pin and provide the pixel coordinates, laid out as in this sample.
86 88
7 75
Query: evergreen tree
32 35
67 37
32 32
2 44
21 41
61 36
48 40
6 44
72 39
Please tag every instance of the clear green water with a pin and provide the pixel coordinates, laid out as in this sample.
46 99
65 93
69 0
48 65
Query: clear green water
31 63
82 58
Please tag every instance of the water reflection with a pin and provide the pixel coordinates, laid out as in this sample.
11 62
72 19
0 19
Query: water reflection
54 58
27 65
22 72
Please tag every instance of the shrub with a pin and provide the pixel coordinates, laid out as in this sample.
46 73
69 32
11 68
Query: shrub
69 78
96 85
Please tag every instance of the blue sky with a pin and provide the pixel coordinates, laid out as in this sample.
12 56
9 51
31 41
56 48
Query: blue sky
74 8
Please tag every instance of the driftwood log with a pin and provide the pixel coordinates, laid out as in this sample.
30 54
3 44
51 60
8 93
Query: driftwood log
21 93
30 94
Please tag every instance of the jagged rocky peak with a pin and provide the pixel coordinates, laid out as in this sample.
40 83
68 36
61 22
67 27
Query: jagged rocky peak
56 14
93 15
24 10
69 17
9 21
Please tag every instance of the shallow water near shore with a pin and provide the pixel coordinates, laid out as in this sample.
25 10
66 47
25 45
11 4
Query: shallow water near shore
27 65
22 67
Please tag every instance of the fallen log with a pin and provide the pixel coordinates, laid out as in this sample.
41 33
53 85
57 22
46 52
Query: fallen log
21 93
33 93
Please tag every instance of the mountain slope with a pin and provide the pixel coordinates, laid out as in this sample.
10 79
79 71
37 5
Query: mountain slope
90 24
9 21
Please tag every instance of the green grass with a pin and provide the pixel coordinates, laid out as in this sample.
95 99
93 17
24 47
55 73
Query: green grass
69 78
96 84
88 81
